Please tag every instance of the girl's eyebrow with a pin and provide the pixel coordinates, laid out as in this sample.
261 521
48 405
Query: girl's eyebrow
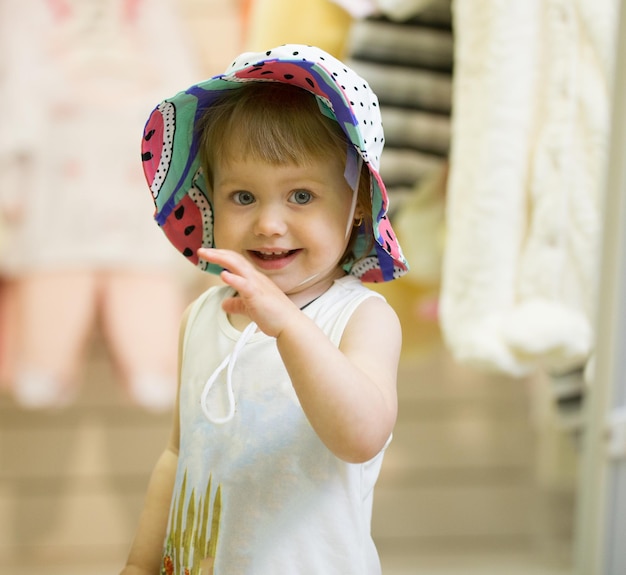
230 181
293 183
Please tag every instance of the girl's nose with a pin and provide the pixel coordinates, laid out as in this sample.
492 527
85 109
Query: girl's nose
270 221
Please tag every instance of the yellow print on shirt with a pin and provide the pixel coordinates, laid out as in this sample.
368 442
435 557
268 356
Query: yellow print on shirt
193 532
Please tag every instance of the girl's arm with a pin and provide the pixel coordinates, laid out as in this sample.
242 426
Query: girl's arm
147 549
347 393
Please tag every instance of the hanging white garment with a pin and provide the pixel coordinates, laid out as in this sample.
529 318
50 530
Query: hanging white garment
529 141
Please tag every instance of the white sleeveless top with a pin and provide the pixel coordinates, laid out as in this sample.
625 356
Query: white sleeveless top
260 492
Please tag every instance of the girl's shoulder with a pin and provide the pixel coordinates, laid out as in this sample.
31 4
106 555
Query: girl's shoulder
354 287
334 310
368 302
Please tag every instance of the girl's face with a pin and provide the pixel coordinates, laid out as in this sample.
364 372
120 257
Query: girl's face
288 220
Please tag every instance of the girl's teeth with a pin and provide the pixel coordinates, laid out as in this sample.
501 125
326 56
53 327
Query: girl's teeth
273 255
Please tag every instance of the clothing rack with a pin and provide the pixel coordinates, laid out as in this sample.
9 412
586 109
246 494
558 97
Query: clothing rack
601 520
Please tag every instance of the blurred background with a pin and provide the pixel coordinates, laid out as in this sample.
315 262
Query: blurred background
497 121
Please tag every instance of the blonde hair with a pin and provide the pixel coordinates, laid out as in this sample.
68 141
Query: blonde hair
278 124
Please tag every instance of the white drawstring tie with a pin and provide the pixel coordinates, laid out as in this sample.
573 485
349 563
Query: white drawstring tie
228 364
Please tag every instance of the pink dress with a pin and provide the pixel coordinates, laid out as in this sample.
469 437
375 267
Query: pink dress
78 79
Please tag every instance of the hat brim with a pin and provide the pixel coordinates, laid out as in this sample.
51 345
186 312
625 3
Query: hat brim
172 166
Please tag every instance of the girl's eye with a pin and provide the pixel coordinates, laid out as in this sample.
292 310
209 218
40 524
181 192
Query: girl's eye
243 198
301 197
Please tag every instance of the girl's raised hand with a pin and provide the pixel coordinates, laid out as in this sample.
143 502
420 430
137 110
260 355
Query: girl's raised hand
258 297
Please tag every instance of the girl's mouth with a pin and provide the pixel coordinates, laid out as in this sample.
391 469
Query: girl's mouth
273 255
272 259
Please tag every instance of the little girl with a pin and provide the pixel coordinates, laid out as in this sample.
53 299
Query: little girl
268 175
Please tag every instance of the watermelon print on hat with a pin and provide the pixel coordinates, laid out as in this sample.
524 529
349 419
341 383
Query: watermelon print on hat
172 165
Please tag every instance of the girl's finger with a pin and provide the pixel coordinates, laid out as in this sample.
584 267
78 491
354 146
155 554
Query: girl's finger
225 258
234 305
236 281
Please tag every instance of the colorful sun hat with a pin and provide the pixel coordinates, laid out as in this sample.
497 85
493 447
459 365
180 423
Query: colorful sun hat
172 165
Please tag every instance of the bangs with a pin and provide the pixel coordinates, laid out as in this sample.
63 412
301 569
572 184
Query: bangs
270 122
